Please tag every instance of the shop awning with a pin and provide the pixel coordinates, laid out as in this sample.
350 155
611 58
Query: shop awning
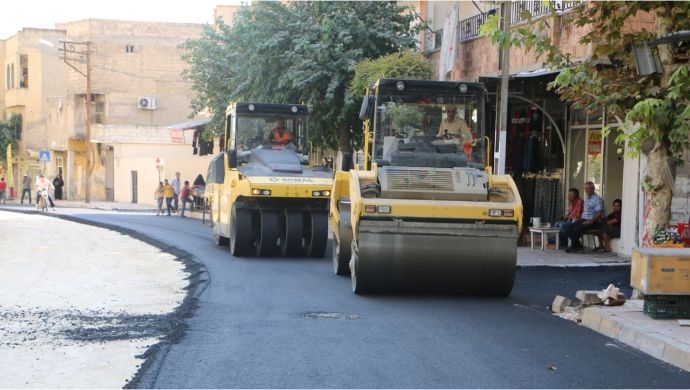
193 124
520 75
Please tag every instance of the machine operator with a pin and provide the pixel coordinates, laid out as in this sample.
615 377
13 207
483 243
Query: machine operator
280 135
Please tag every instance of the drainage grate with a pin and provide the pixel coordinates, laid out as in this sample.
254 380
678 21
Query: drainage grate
322 315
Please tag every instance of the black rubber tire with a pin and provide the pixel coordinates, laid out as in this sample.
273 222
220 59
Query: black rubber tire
358 284
315 233
342 246
220 240
267 237
291 233
340 265
241 237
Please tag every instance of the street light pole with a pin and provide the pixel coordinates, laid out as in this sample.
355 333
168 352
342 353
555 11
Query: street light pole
501 131
73 51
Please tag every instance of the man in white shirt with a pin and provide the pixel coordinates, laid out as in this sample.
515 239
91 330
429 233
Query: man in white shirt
451 126
175 183
44 185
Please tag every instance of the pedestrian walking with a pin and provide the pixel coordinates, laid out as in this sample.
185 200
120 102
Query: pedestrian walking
58 183
186 197
168 194
158 194
3 188
175 183
26 188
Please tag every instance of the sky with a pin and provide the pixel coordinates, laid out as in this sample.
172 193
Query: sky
45 13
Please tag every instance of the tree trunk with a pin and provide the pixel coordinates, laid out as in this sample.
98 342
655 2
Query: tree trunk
658 187
344 144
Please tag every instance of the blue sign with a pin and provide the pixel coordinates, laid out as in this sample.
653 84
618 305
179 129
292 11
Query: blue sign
44 155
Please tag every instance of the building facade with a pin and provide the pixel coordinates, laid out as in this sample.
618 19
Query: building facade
552 146
137 93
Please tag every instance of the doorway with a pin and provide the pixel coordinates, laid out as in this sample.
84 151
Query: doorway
135 186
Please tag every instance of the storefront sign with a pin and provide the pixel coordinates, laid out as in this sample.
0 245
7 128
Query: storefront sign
594 143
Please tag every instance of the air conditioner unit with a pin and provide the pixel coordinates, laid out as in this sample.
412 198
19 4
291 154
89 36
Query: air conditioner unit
147 103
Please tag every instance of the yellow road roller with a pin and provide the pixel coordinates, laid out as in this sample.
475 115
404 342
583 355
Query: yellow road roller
423 212
264 197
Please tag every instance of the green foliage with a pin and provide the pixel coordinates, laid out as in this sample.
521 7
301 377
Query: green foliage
303 52
407 65
657 103
7 136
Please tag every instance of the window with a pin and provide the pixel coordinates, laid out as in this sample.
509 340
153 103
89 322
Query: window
60 163
7 75
24 71
12 76
98 107
129 49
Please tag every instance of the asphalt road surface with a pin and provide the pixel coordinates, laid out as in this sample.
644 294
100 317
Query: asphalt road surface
292 323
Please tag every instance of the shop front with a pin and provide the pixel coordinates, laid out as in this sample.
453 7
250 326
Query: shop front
552 146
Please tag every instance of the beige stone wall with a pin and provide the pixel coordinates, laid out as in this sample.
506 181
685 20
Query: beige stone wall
153 69
225 12
142 159
3 79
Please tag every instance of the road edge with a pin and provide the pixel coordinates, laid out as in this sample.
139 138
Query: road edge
199 279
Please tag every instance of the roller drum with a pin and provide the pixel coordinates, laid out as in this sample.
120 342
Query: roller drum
392 256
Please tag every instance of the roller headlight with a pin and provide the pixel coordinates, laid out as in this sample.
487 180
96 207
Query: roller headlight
400 85
462 88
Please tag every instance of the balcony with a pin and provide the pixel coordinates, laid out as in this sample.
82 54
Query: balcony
469 28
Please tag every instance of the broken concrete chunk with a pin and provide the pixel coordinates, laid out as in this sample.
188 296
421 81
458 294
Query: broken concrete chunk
589 297
684 322
609 292
559 304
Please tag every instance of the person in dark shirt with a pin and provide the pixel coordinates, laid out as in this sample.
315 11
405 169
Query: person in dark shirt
611 228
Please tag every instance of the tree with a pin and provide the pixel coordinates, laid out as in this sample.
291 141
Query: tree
8 135
655 107
405 65
301 52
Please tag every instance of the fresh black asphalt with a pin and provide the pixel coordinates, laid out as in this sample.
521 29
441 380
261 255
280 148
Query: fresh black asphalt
292 323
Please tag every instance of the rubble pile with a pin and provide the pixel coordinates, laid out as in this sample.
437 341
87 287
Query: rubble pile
572 309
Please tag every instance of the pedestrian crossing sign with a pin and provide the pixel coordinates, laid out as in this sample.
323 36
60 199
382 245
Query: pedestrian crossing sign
44 155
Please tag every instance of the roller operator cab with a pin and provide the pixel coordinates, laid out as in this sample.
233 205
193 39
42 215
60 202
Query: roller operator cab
424 212
264 198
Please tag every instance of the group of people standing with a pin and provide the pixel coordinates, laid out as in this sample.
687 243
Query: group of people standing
587 215
42 184
173 193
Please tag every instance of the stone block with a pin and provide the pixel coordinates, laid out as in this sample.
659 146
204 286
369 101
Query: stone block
560 303
588 297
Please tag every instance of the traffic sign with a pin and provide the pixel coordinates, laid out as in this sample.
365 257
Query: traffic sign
44 155
158 162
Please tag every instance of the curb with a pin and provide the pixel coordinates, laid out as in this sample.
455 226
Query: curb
199 279
578 265
629 328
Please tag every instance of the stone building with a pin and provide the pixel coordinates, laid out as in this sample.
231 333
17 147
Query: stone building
138 93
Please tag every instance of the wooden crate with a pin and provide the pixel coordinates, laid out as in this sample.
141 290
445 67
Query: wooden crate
661 271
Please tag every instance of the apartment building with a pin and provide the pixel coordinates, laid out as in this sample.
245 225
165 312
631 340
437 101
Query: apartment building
138 101
552 146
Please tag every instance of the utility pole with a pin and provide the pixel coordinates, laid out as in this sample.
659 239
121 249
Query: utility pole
80 52
501 131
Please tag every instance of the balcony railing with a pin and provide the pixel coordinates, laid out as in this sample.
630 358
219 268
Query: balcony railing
538 8
469 28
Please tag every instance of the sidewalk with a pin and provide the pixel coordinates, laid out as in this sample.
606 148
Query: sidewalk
81 313
551 258
663 339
